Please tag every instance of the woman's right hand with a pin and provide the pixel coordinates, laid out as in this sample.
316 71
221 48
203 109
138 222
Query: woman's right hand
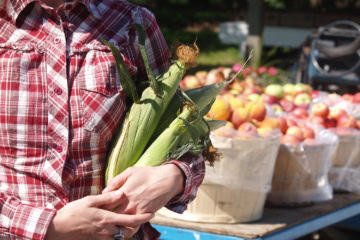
85 219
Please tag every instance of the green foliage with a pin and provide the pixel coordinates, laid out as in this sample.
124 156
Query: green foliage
277 4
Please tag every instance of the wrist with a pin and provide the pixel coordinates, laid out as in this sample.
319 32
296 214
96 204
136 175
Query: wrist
179 179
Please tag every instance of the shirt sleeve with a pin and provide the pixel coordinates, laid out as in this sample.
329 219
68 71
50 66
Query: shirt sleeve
193 167
23 221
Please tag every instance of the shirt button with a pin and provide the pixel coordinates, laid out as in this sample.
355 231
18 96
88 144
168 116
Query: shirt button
58 91
57 40
59 149
51 93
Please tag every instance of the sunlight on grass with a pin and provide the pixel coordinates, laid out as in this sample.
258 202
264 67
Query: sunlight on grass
227 56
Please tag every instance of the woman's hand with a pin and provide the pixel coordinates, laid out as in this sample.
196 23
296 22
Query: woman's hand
86 219
146 189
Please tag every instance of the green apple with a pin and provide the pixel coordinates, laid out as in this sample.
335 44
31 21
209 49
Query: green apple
302 98
289 89
254 97
275 90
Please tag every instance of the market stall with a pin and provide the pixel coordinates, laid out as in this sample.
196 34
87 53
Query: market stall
276 224
290 160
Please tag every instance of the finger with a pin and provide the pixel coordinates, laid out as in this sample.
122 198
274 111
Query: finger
128 220
118 181
129 232
104 199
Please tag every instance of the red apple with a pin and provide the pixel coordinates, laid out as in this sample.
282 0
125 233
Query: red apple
286 105
289 139
290 122
347 121
190 82
348 97
300 113
320 110
308 132
316 120
330 123
356 98
283 125
295 131
269 99
336 113
358 124
315 94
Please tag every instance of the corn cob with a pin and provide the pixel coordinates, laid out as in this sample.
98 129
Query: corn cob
144 115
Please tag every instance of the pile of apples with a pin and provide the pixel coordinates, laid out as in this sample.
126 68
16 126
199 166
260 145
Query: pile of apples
332 117
354 98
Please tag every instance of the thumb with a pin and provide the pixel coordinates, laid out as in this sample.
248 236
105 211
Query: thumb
104 199
118 181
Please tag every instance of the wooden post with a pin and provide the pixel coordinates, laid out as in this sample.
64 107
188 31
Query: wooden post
256 25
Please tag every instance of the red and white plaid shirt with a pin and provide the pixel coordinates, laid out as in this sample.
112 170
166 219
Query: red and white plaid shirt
60 102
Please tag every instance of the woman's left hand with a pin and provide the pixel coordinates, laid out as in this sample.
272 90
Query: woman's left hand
146 189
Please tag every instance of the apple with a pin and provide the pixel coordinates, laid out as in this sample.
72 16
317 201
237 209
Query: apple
295 131
271 122
336 113
239 116
220 110
300 112
236 67
190 82
311 141
277 108
289 89
290 98
290 122
330 123
347 121
316 120
320 110
286 105
358 124
226 131
283 125
256 110
236 102
201 75
302 88
262 69
214 76
315 94
356 98
269 99
254 97
289 139
348 97
264 131
308 132
237 86
246 130
275 90
252 90
302 99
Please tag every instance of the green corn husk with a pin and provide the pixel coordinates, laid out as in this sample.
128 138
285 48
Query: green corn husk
144 115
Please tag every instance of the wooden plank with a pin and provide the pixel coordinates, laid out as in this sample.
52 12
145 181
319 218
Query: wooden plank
274 219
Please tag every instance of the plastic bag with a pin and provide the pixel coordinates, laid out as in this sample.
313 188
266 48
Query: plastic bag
344 174
301 171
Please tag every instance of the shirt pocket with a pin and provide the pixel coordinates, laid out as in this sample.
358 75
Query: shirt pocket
23 98
102 98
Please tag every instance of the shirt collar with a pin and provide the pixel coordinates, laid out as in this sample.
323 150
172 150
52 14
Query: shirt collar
15 7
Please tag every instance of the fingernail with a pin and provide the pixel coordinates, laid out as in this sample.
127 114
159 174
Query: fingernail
105 190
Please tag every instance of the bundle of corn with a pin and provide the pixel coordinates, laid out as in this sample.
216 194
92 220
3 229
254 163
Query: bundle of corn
142 141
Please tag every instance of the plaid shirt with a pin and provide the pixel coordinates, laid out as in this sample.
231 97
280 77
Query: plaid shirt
61 101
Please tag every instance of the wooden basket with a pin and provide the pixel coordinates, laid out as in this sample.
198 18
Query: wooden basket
235 189
300 175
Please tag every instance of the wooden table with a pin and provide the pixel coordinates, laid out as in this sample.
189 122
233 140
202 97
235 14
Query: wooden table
276 224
